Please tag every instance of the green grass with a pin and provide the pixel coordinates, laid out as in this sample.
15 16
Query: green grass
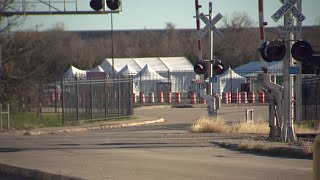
30 120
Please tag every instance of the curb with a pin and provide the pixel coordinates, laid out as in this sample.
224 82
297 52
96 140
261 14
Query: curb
32 173
100 127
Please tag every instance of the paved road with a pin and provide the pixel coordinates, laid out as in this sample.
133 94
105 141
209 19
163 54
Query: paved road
161 151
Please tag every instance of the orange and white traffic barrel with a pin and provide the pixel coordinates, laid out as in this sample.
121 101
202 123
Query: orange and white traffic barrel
58 95
234 97
142 97
239 97
251 97
53 97
168 97
160 99
134 98
193 98
225 98
151 97
244 97
178 97
203 101
261 97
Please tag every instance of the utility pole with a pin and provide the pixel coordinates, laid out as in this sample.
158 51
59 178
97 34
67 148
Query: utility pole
288 133
298 82
261 28
211 51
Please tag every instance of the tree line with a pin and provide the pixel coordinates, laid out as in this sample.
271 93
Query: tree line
31 59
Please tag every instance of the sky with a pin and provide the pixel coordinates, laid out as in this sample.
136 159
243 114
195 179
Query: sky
154 14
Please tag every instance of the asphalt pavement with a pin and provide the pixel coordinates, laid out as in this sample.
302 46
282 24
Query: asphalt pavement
156 145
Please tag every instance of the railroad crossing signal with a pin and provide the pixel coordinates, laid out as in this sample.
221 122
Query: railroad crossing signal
210 25
288 5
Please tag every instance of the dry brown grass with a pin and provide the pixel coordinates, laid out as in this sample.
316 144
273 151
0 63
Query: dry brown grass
254 127
251 145
305 129
210 125
218 125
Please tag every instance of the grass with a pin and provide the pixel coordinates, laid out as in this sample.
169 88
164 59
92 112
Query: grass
258 147
210 125
30 120
218 125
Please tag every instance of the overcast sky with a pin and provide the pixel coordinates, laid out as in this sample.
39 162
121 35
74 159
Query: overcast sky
154 14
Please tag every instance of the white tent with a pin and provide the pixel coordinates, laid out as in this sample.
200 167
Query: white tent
147 80
127 71
229 81
97 69
73 71
178 70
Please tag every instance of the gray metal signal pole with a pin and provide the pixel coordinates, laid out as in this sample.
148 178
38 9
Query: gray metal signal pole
288 133
211 51
298 82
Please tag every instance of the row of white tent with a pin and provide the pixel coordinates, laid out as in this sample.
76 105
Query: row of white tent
148 72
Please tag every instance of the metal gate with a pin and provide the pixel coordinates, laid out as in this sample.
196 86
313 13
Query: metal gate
96 99
311 98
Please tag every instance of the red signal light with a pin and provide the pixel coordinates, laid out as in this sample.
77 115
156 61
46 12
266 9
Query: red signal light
273 51
113 4
301 51
200 68
218 69
96 5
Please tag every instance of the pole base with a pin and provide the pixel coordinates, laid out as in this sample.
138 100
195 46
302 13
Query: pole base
275 132
288 134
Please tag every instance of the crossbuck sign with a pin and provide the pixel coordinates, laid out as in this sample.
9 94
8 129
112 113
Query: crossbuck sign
210 25
288 5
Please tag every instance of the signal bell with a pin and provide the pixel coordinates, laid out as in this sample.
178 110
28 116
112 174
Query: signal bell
200 67
272 51
113 4
301 51
218 68
96 5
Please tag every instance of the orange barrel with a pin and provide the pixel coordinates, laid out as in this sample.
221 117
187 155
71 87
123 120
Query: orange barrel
58 95
178 97
160 99
229 97
251 97
261 96
52 96
239 97
225 97
203 101
168 97
143 97
134 98
193 98
151 97
266 97
234 97
244 97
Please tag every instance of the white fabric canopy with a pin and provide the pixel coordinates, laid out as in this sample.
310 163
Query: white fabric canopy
229 81
127 71
73 71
